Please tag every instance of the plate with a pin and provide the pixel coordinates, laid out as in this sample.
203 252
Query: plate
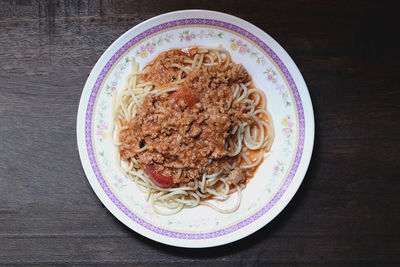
276 180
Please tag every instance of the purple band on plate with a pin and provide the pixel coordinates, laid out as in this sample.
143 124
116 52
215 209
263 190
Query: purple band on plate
114 59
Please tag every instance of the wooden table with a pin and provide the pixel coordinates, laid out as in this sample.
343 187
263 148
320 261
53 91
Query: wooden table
347 209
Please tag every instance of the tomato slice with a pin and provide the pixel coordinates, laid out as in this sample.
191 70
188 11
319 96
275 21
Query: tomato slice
158 178
187 94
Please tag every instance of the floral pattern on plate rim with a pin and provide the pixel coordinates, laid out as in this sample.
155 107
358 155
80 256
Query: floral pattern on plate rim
244 48
150 47
188 35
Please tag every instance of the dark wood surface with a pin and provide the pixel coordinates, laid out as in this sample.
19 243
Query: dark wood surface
347 209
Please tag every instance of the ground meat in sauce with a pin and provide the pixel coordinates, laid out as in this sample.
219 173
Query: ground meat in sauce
160 70
186 129
236 176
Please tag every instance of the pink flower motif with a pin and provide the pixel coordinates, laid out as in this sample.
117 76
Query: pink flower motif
149 210
113 89
151 49
104 126
276 168
142 48
270 77
99 132
202 31
290 124
239 42
286 131
242 50
187 38
120 180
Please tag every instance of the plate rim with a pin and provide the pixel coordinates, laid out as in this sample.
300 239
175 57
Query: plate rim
287 195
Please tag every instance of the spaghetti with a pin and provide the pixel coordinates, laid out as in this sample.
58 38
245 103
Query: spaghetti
191 127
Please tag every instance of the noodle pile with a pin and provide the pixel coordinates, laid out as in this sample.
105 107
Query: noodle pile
250 142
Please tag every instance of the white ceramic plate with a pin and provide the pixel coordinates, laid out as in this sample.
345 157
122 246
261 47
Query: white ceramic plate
276 180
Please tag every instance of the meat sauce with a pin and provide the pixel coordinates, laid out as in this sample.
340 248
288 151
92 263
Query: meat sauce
185 132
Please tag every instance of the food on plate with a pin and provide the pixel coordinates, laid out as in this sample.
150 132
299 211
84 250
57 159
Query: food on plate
191 128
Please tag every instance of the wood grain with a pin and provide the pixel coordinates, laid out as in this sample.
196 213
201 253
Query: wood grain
346 211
